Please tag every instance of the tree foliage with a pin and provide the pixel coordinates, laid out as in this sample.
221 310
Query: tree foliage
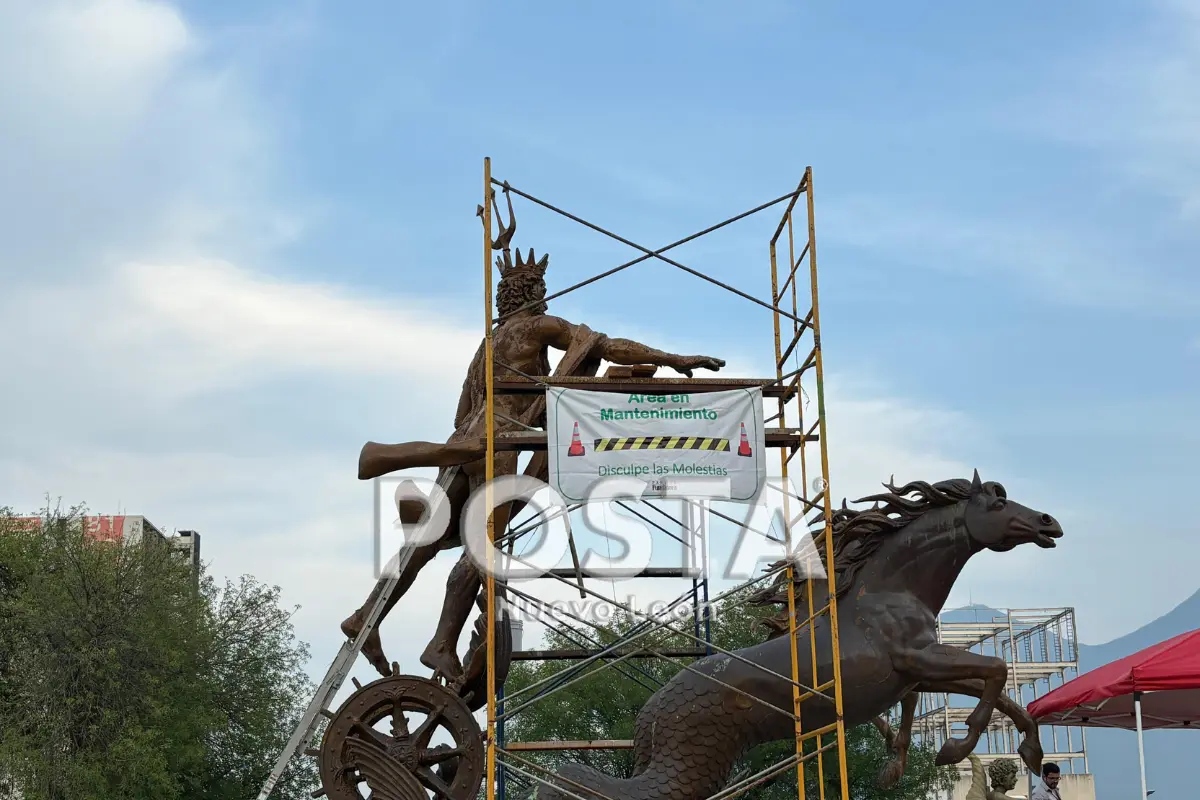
604 705
125 677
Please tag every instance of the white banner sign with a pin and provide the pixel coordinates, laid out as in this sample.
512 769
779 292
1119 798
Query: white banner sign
665 440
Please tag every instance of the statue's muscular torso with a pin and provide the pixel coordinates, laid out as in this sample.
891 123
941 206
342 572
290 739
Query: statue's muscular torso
520 347
521 343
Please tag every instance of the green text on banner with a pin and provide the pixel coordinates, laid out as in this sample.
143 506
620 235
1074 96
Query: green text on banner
666 440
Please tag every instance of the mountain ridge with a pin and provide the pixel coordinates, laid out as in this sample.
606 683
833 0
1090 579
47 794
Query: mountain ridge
1113 755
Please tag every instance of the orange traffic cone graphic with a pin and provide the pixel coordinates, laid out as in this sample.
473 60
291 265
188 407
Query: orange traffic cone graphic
576 448
744 447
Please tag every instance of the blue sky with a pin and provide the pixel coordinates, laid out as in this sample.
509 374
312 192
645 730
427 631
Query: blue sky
239 240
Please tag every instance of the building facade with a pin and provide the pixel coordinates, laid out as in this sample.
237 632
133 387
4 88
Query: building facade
1040 647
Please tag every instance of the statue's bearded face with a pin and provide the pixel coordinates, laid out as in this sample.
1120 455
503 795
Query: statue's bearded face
518 288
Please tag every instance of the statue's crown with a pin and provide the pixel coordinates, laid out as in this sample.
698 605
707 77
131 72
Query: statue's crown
531 264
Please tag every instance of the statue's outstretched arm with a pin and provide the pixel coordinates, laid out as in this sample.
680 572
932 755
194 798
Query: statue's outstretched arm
557 333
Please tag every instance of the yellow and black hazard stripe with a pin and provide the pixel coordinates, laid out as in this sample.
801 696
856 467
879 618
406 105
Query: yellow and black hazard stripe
663 443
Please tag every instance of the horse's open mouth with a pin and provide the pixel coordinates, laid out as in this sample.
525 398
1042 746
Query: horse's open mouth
1042 533
1046 538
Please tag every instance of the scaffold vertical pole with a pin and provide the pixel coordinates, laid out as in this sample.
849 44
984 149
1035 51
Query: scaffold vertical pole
822 497
819 363
787 515
499 707
804 486
489 474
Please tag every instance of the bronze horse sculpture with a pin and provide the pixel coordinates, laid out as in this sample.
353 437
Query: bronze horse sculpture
895 566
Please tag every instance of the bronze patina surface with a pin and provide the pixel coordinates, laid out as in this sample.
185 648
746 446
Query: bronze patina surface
520 342
895 566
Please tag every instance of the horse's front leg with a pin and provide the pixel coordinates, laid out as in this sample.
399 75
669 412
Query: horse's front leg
899 743
885 730
1030 748
939 662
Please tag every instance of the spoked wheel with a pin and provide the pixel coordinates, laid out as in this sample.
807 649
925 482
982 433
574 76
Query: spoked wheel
400 762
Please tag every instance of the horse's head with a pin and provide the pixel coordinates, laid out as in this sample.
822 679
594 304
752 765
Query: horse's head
996 523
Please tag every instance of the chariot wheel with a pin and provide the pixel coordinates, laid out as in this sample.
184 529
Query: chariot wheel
360 762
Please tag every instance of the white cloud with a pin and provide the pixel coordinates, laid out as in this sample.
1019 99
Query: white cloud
299 517
120 142
198 325
1125 242
1134 100
126 162
150 357
95 64
1044 261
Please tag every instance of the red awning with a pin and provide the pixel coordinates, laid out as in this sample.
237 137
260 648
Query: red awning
1167 674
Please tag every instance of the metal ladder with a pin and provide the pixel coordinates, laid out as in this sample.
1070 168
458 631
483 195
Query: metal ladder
343 662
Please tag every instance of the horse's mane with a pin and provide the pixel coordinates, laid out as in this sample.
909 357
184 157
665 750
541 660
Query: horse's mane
858 534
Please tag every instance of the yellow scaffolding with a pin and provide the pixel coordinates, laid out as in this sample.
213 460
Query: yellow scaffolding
811 498
823 499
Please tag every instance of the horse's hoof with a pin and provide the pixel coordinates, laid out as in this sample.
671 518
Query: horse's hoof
890 775
1031 753
953 751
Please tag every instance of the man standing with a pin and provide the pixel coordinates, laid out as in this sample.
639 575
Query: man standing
1049 788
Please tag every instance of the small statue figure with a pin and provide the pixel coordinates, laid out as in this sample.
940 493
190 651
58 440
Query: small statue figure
1003 776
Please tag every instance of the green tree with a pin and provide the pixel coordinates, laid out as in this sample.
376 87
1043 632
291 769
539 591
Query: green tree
125 677
605 703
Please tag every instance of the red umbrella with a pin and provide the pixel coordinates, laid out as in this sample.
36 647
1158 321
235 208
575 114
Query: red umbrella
1158 687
